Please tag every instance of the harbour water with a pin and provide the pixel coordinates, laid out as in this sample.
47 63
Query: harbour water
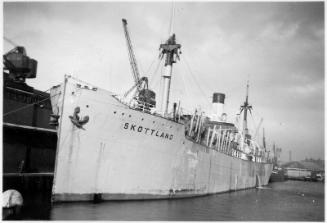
280 201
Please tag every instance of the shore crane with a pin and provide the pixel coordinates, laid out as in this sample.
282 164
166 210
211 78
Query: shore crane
18 65
143 95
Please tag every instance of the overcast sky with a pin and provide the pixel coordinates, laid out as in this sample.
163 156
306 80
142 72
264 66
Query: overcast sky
278 46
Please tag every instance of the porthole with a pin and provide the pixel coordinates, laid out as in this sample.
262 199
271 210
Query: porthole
129 116
123 113
142 119
115 112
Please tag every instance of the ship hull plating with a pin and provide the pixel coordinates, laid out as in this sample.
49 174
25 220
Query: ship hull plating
121 153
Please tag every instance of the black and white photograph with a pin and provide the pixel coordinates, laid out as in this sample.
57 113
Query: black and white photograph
163 111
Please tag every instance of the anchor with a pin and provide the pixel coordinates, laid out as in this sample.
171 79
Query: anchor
76 119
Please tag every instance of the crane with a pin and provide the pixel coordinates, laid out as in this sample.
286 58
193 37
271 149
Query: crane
132 59
17 64
145 97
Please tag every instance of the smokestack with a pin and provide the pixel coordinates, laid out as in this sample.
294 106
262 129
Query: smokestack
218 101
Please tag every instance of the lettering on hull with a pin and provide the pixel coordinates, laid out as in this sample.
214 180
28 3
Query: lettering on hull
147 131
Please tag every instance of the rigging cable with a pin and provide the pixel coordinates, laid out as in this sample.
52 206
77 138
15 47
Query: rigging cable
155 71
10 41
196 82
185 85
188 95
29 105
148 70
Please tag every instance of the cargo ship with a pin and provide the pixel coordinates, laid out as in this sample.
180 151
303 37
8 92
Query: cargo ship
29 141
111 148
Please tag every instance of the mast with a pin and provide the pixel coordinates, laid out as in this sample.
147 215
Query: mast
275 154
246 107
264 139
172 50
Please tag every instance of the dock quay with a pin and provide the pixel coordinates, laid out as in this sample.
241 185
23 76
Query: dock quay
303 170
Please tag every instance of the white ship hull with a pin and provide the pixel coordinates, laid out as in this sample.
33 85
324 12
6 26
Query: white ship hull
126 154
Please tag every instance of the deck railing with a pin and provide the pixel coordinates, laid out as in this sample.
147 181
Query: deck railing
226 141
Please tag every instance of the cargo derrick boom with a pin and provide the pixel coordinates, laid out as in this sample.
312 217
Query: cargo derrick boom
144 96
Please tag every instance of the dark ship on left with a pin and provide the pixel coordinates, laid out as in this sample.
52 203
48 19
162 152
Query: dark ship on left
29 139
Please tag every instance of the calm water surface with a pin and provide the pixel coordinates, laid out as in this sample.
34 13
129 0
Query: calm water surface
280 201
